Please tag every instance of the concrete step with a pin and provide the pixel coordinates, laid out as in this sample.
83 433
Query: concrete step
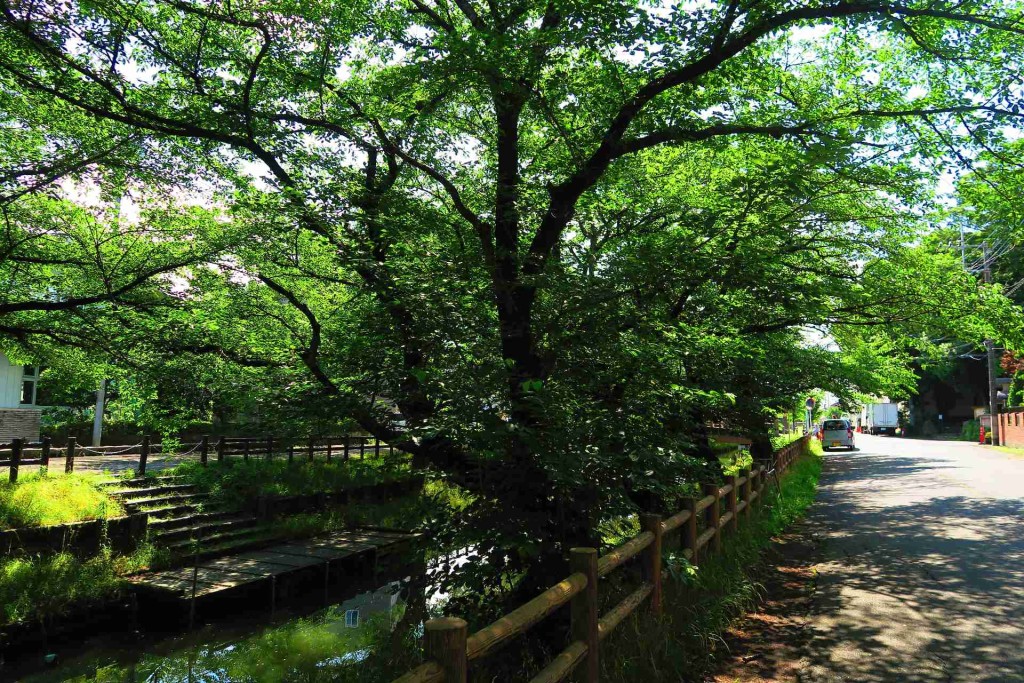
170 511
211 529
166 522
160 501
130 494
144 481
221 540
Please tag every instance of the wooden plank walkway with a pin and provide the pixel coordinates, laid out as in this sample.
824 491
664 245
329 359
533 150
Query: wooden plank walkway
223 574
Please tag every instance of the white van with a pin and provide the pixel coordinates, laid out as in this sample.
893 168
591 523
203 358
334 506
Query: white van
836 434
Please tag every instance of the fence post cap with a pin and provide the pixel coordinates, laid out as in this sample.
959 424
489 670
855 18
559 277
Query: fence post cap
583 551
446 624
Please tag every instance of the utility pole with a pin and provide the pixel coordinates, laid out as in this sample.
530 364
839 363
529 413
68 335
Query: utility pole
97 419
963 251
993 400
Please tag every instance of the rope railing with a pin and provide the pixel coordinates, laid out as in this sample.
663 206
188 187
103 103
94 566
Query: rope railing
104 450
15 454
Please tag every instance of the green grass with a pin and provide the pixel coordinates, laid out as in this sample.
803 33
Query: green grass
781 440
236 481
33 589
701 601
1019 452
36 501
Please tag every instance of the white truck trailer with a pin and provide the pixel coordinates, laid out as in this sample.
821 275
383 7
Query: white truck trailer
880 418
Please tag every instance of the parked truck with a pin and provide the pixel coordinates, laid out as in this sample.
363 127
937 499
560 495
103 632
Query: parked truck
880 418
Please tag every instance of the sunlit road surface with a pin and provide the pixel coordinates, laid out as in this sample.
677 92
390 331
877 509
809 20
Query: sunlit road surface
923 578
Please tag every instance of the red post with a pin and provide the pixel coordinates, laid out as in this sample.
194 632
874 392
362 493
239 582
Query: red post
981 434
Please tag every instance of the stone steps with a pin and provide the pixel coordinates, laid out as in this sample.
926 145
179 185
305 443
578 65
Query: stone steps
205 530
128 495
221 541
168 500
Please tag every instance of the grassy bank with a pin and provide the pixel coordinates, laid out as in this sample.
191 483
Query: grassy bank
701 601
1010 450
56 499
36 589
236 481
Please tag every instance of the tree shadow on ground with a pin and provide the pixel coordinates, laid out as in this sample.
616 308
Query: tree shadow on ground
918 582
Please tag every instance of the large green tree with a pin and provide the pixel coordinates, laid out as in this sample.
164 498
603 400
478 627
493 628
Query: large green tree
540 244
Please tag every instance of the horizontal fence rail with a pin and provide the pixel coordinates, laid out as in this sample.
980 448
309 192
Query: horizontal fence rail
20 452
450 649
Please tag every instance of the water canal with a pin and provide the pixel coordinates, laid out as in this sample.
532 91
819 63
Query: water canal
295 644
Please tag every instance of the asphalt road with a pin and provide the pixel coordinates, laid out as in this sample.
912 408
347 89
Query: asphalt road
923 578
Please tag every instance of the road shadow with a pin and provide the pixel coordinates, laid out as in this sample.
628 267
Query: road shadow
915 585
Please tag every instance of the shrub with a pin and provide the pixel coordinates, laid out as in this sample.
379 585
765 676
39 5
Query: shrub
971 431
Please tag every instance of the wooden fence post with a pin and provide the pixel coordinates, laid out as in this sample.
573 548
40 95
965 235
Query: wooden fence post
376 448
312 448
245 449
44 457
690 530
713 513
69 459
745 492
330 447
346 444
584 609
204 450
221 447
16 447
291 452
755 482
652 559
144 455
270 448
731 502
446 644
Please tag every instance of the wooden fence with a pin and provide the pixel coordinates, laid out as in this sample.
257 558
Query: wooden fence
20 453
449 648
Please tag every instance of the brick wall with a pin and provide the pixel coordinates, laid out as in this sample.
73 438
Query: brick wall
19 423
1011 427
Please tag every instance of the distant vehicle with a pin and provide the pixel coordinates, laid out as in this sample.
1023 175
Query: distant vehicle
836 434
880 418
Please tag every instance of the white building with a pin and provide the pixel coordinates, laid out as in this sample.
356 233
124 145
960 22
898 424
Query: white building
19 415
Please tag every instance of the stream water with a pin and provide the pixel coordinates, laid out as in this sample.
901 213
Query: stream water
291 646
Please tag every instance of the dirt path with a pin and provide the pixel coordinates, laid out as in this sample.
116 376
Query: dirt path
767 645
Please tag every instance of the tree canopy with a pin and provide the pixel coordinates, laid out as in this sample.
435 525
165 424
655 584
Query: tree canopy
539 244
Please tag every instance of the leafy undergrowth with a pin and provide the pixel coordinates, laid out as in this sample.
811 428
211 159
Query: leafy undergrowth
735 461
34 589
406 513
780 440
37 501
236 481
700 601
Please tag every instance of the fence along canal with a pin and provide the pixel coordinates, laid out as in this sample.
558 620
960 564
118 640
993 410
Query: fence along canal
450 649
20 453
